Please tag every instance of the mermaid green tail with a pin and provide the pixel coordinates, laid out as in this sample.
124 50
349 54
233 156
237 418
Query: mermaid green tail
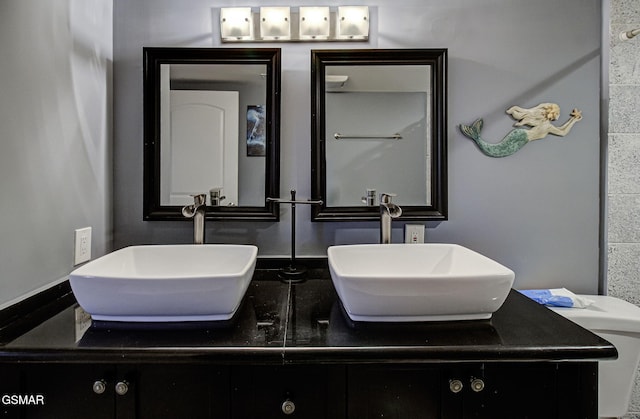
514 140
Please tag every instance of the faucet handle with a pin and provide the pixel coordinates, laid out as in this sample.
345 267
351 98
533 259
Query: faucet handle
370 198
199 199
385 198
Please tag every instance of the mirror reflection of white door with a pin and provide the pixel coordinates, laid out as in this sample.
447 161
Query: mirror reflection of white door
201 151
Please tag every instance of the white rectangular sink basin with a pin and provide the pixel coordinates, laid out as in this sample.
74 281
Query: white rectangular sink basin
165 283
417 282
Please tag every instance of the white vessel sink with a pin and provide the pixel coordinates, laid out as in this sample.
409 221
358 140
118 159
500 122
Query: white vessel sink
417 282
172 283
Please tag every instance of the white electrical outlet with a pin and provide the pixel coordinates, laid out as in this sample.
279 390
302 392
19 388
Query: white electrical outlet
414 233
82 245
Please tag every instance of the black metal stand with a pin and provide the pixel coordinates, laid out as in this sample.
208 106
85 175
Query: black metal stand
293 272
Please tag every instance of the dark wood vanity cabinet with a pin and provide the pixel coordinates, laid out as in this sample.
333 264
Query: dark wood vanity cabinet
526 362
355 391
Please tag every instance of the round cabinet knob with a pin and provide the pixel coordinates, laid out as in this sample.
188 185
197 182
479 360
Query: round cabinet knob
455 386
99 387
288 407
477 385
122 387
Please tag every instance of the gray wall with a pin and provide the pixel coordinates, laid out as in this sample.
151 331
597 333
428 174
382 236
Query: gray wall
623 273
537 211
55 128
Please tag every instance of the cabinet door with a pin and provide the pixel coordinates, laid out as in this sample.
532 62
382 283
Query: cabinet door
138 391
309 392
393 392
522 390
181 391
68 391
515 391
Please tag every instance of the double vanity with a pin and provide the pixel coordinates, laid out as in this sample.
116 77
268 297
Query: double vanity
211 331
294 349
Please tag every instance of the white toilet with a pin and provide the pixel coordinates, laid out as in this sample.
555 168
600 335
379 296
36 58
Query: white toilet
618 322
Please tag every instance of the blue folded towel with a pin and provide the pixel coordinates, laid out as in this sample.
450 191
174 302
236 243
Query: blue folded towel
558 297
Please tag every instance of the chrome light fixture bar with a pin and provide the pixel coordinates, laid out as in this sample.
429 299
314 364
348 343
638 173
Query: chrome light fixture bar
294 24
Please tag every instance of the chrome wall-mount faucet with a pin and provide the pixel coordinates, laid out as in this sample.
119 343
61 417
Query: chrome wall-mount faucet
370 197
197 211
216 197
388 210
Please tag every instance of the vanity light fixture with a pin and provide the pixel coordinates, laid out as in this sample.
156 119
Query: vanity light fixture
353 22
275 23
315 23
236 24
294 24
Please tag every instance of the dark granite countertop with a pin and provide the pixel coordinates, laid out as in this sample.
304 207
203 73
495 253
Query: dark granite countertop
304 323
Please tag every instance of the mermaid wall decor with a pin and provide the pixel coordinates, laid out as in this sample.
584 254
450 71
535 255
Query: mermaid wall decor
537 119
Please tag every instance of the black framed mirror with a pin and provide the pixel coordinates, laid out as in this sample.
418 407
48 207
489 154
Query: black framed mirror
212 126
379 125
